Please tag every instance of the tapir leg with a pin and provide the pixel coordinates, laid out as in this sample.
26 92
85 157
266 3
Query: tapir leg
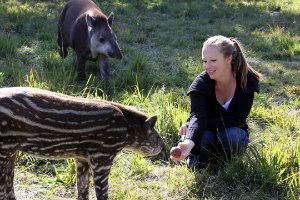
101 168
104 70
82 179
63 46
7 166
80 66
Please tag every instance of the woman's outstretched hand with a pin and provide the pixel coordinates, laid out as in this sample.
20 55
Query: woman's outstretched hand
182 150
183 129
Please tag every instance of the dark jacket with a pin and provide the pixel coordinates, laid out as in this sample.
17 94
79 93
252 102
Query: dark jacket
208 114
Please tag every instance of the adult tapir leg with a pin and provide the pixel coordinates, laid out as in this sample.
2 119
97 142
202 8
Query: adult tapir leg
80 67
62 46
104 70
82 179
61 41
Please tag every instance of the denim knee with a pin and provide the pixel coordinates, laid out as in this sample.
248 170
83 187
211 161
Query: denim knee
208 142
234 140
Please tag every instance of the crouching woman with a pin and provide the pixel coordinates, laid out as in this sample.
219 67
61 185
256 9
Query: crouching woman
221 99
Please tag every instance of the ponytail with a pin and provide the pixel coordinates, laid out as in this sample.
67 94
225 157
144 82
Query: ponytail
240 64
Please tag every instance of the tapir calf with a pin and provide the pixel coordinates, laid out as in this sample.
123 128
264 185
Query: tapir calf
56 126
83 27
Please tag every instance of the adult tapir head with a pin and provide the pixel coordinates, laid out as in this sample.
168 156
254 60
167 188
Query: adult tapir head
103 41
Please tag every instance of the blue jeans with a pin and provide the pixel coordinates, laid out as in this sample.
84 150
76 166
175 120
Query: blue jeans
225 145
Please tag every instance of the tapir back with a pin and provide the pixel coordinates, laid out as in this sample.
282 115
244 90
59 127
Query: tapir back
56 126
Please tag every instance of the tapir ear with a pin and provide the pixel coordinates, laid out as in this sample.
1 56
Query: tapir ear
150 122
90 21
110 18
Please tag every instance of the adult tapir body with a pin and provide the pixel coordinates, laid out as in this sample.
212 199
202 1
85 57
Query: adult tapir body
83 27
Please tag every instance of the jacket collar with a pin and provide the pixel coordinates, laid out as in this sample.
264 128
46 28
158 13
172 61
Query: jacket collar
205 85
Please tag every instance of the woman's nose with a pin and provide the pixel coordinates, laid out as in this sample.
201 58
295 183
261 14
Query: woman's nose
207 65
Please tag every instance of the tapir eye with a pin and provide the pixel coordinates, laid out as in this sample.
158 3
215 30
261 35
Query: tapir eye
102 40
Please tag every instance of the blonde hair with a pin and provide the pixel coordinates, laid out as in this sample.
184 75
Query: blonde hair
239 64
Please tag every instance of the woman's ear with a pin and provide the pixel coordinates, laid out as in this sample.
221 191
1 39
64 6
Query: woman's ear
229 59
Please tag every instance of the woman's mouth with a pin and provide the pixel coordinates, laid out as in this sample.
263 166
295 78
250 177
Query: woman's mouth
211 72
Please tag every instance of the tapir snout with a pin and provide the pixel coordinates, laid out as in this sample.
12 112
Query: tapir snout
116 55
115 52
113 56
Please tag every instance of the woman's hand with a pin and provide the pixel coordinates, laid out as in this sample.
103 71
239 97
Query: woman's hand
183 129
185 147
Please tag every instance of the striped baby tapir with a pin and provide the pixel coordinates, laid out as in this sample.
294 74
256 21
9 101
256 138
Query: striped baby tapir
56 126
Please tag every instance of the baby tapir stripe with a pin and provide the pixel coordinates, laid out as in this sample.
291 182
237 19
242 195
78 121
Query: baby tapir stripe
56 126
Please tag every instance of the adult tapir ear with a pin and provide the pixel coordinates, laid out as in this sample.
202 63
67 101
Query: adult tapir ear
90 21
150 122
110 18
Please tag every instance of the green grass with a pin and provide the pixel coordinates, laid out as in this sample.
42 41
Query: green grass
161 42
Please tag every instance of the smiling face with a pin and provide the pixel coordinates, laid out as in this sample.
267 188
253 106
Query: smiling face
216 65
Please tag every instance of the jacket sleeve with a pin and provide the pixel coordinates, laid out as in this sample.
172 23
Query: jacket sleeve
198 117
237 115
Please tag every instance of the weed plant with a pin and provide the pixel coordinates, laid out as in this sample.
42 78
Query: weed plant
161 42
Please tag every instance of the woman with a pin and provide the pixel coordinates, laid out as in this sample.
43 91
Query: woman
221 99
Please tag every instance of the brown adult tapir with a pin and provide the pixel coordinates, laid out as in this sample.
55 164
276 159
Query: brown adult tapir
83 27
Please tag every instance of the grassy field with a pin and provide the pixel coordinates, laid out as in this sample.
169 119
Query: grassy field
161 42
